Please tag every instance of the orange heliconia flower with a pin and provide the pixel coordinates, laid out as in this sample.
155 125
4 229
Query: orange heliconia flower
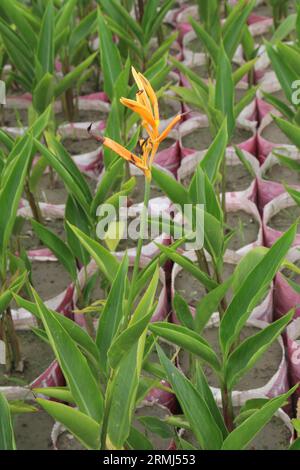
146 106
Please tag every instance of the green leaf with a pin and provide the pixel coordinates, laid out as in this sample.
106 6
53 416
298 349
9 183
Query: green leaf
136 327
284 29
182 311
71 78
106 262
194 407
285 74
204 389
82 426
113 312
75 215
65 15
187 339
45 51
188 265
210 304
163 48
249 351
290 130
70 182
111 64
214 155
83 386
224 93
7 439
43 93
138 441
59 393
11 191
76 332
241 436
207 40
57 246
252 288
234 26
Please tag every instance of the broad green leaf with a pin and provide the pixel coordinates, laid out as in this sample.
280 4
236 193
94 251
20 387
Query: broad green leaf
106 262
241 436
83 386
112 313
289 129
194 407
207 40
252 288
111 64
204 389
210 304
249 351
187 339
59 393
136 327
234 26
188 265
7 439
45 51
57 246
214 155
75 215
11 191
224 92
182 311
82 426
71 78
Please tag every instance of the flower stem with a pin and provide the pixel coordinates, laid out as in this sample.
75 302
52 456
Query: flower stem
227 408
143 224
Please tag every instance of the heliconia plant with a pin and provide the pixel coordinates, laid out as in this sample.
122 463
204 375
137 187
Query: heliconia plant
35 65
135 34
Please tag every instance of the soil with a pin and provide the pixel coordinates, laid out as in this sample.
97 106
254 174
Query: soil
191 289
200 139
285 218
168 107
258 376
195 45
30 241
49 278
246 229
33 431
166 143
238 178
76 146
53 193
283 174
37 357
14 117
272 133
68 442
157 411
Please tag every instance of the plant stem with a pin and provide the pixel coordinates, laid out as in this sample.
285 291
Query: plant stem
202 261
8 333
35 209
223 171
141 10
227 408
140 242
